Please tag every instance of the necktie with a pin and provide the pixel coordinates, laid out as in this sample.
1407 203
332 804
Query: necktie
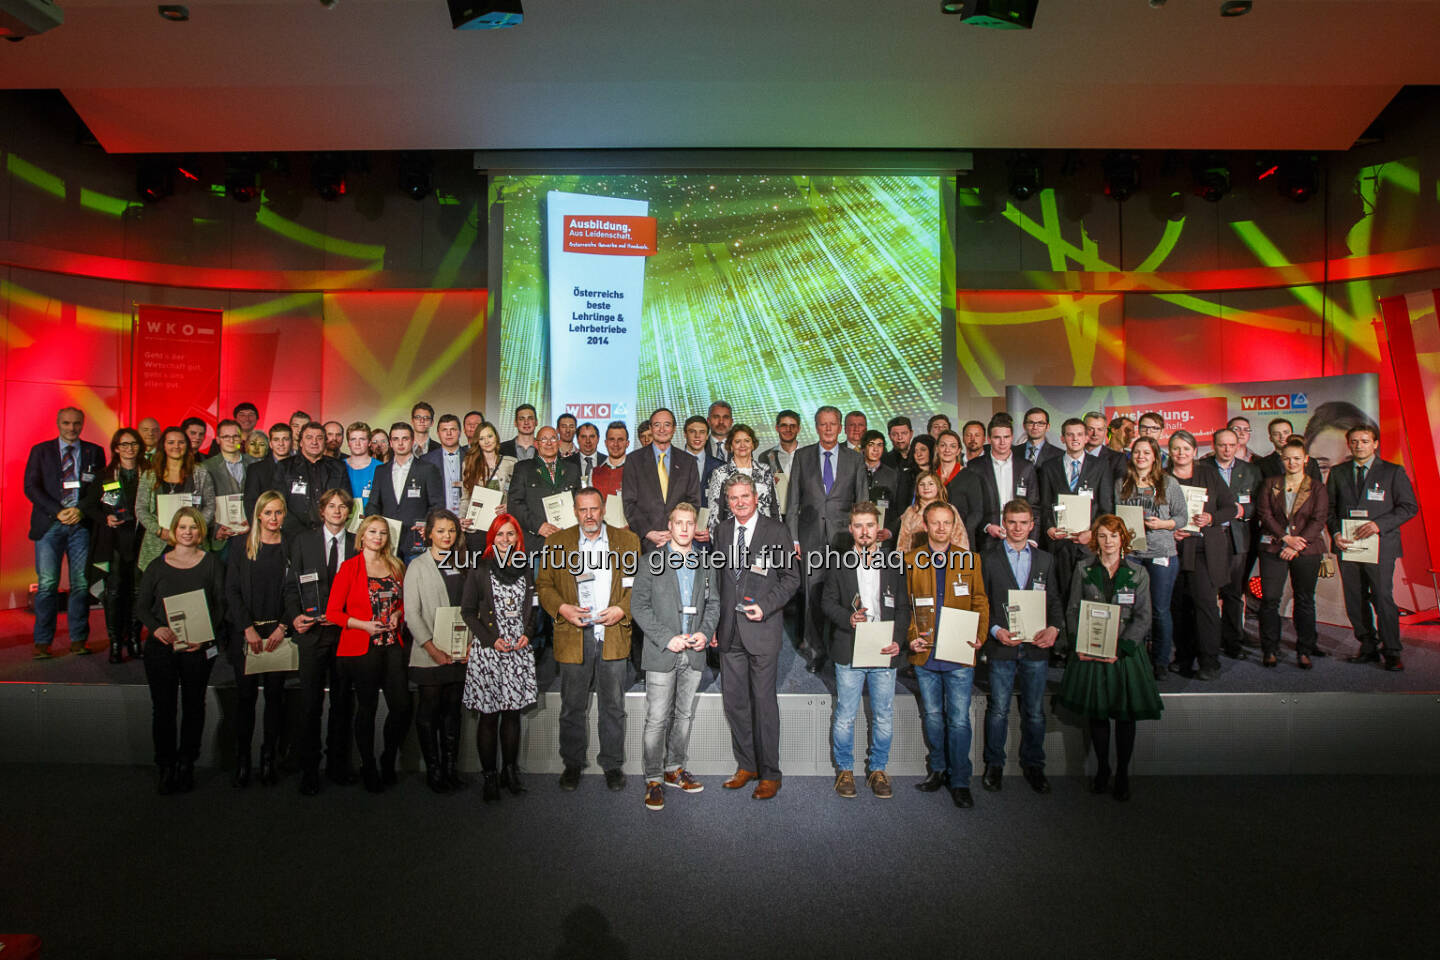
334 562
67 475
1360 477
719 453
1074 475
664 475
827 474
740 559
587 467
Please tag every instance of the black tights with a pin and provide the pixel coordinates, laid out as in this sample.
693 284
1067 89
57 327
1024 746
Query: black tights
439 709
1124 744
507 724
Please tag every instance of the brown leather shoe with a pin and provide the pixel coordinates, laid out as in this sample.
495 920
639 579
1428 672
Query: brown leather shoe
681 779
741 778
766 789
845 784
879 784
654 795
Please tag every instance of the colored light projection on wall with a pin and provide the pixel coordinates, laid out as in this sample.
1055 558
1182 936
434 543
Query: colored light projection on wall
337 354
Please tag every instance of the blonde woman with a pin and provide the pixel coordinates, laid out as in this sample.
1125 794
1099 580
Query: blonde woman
179 677
254 600
928 489
367 603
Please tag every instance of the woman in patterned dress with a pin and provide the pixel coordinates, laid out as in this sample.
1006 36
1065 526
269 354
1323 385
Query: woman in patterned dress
499 606
742 446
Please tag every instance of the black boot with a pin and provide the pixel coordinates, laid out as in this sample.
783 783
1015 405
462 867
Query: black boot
241 777
510 779
370 775
132 647
492 787
429 751
165 782
450 761
387 768
185 776
115 656
268 775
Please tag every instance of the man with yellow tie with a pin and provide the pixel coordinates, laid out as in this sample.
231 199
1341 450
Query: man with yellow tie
655 480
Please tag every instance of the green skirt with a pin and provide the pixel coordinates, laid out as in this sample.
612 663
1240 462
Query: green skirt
1123 690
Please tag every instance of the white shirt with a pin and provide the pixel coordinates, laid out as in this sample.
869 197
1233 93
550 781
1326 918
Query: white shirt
868 579
596 553
336 538
451 464
749 526
587 464
1004 474
785 458
399 473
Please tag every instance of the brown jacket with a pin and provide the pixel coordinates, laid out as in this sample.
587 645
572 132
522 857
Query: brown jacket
1312 507
962 567
556 585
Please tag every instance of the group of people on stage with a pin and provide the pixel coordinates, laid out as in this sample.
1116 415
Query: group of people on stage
355 559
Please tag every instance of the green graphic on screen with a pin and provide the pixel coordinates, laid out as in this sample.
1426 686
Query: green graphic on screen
769 292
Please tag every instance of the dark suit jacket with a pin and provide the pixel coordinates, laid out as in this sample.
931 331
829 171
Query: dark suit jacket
1270 466
981 500
645 511
1000 580
508 449
1095 476
711 464
1048 452
1312 510
303 482
424 491
840 587
239 595
307 555
1396 506
1220 504
1117 461
814 517
1245 486
771 591
43 484
531 484
891 485
259 477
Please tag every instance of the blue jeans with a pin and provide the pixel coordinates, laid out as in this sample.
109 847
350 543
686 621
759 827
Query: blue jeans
61 542
850 682
1003 674
1162 627
945 705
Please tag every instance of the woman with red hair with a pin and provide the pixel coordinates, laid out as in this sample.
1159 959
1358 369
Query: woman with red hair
499 606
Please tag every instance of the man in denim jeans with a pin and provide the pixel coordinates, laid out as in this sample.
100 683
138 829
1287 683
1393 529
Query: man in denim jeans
940 577
1019 659
676 603
862 589
57 474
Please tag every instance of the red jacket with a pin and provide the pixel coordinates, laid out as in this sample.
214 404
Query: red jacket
350 597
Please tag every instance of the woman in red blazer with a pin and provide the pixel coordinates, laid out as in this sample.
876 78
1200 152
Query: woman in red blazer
1292 511
366 603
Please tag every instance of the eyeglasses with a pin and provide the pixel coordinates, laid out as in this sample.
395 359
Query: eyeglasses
1037 423
422 418
127 443
228 436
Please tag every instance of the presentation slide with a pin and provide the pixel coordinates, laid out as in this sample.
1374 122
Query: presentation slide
615 295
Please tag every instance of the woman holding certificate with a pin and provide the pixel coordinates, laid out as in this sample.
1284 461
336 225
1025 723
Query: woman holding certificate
254 588
500 607
481 469
928 489
367 604
115 541
182 602
171 480
1161 503
1204 548
1108 676
440 642
1292 512
741 444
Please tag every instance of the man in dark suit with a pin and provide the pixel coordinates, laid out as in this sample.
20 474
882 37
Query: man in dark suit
522 445
697 445
1036 450
1097 437
58 473
827 479
901 433
1073 472
1379 493
545 475
654 480
448 456
980 485
1018 661
261 476
759 577
1271 465
315 556
304 477
405 489
1244 482
885 486
718 419
881 590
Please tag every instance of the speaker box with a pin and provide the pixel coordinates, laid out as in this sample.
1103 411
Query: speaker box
485 14
1001 14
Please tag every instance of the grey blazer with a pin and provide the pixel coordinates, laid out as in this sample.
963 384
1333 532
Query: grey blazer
655 608
424 594
814 517
225 484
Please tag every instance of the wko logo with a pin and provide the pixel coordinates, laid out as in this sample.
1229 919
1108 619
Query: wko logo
1275 403
596 411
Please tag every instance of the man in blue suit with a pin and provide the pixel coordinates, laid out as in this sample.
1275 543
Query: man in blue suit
57 474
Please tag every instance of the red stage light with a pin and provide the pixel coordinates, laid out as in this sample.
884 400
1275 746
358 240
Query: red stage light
1268 172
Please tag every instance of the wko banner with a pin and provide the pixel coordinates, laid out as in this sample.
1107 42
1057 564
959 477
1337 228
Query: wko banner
1319 409
597 248
176 364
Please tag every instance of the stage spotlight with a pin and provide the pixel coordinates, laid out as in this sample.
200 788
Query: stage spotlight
415 176
485 14
174 12
1235 8
1299 177
1212 177
1026 178
952 7
997 14
242 180
327 175
1122 175
25 18
154 181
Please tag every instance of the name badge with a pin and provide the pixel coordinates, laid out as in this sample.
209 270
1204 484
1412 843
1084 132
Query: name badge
1266 538
197 499
883 505
1243 498
87 477
587 577
311 577
211 652
1019 489
1125 598
300 487
1359 514
1374 494
71 484
365 494
112 485
924 601
690 611
760 570
627 582
1084 488
1038 584
413 493
386 595
535 601
889 601
962 589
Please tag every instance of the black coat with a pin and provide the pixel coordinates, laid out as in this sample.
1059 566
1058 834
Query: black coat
771 590
424 491
307 556
1000 580
1220 504
981 500
841 586
43 485
303 483
1395 506
1095 476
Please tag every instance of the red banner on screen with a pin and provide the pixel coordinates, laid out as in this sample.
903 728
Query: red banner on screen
622 236
1419 434
176 365
1200 415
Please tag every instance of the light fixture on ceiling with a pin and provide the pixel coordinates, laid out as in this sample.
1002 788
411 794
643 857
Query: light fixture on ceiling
1122 175
1299 177
1026 178
242 178
952 7
1235 8
997 14
174 12
415 176
154 180
485 14
327 175
25 18
1212 177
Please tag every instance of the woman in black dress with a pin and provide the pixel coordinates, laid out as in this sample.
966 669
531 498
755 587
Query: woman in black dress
177 668
115 543
1204 562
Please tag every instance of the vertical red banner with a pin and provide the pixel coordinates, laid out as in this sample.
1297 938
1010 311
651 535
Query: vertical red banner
176 364
1415 414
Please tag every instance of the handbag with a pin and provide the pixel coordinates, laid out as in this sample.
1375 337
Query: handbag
1329 566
